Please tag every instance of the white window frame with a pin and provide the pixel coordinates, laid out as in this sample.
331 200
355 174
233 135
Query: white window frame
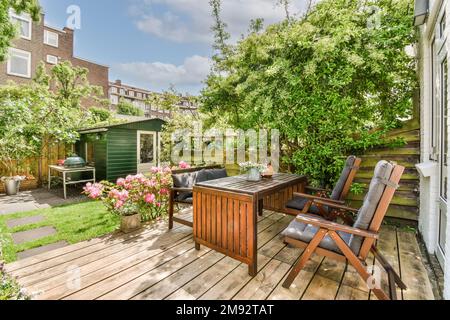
50 61
24 17
8 64
113 90
46 33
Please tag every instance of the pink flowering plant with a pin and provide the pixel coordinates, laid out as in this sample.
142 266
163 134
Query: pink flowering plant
147 195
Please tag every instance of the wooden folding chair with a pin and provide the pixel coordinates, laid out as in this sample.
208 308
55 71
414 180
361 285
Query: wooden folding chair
350 244
306 203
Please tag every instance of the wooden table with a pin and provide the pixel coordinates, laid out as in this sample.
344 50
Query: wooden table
65 171
225 212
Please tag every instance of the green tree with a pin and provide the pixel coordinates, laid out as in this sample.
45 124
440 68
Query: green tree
221 36
8 30
128 109
69 84
331 82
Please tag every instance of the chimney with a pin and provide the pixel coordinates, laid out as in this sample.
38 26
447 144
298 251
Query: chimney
119 82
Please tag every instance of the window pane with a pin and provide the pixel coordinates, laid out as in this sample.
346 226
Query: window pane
51 38
147 148
19 63
444 123
24 26
442 230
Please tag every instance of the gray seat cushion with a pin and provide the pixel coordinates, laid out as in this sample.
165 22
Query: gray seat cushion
339 187
305 233
366 213
299 203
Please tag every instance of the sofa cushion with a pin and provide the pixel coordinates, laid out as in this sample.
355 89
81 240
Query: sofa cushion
184 180
339 187
211 174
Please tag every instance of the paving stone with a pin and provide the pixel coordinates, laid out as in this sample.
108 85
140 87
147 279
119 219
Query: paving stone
31 235
43 249
24 221
17 207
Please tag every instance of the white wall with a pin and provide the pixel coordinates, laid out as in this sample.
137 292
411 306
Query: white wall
429 189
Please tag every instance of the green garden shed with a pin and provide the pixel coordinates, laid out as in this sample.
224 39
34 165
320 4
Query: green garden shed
121 149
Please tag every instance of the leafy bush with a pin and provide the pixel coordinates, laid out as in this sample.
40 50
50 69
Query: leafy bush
128 109
100 114
148 196
326 81
9 289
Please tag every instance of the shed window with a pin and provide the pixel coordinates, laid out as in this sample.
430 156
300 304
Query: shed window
89 152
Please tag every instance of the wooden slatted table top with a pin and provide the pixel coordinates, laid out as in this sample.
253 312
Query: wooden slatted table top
240 184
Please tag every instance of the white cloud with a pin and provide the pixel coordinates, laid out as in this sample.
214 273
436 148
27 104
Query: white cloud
189 21
159 75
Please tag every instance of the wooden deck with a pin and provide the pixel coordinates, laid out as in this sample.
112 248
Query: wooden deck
156 264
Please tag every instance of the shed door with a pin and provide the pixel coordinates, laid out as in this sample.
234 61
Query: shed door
146 148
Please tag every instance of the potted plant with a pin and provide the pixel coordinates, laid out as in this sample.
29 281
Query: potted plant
253 170
135 198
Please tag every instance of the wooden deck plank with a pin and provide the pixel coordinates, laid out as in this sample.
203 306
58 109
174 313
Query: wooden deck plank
129 284
113 282
198 286
388 245
60 265
56 288
164 265
414 273
170 284
260 287
202 283
108 239
295 292
326 281
238 278
21 267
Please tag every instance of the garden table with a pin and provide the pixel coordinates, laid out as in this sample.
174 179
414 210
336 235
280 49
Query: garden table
66 171
226 212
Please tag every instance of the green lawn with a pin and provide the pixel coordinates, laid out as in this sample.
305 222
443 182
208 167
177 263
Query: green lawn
74 223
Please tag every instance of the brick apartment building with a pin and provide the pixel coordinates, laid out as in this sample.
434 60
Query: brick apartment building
139 98
39 42
136 96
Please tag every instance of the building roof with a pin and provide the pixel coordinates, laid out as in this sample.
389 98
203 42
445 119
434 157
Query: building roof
105 128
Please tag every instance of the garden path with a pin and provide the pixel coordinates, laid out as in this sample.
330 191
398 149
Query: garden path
33 200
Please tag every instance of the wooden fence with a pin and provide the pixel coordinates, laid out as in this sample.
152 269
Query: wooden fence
36 169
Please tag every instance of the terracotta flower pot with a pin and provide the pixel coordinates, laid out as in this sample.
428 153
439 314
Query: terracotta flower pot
130 223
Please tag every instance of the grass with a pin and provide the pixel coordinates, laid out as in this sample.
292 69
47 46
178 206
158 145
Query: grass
74 223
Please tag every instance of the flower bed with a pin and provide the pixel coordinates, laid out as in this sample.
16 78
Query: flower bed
147 195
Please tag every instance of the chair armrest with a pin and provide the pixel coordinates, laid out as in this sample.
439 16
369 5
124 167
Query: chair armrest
317 198
317 189
335 205
332 226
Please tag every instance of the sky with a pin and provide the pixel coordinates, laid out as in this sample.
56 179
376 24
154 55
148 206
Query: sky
153 44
